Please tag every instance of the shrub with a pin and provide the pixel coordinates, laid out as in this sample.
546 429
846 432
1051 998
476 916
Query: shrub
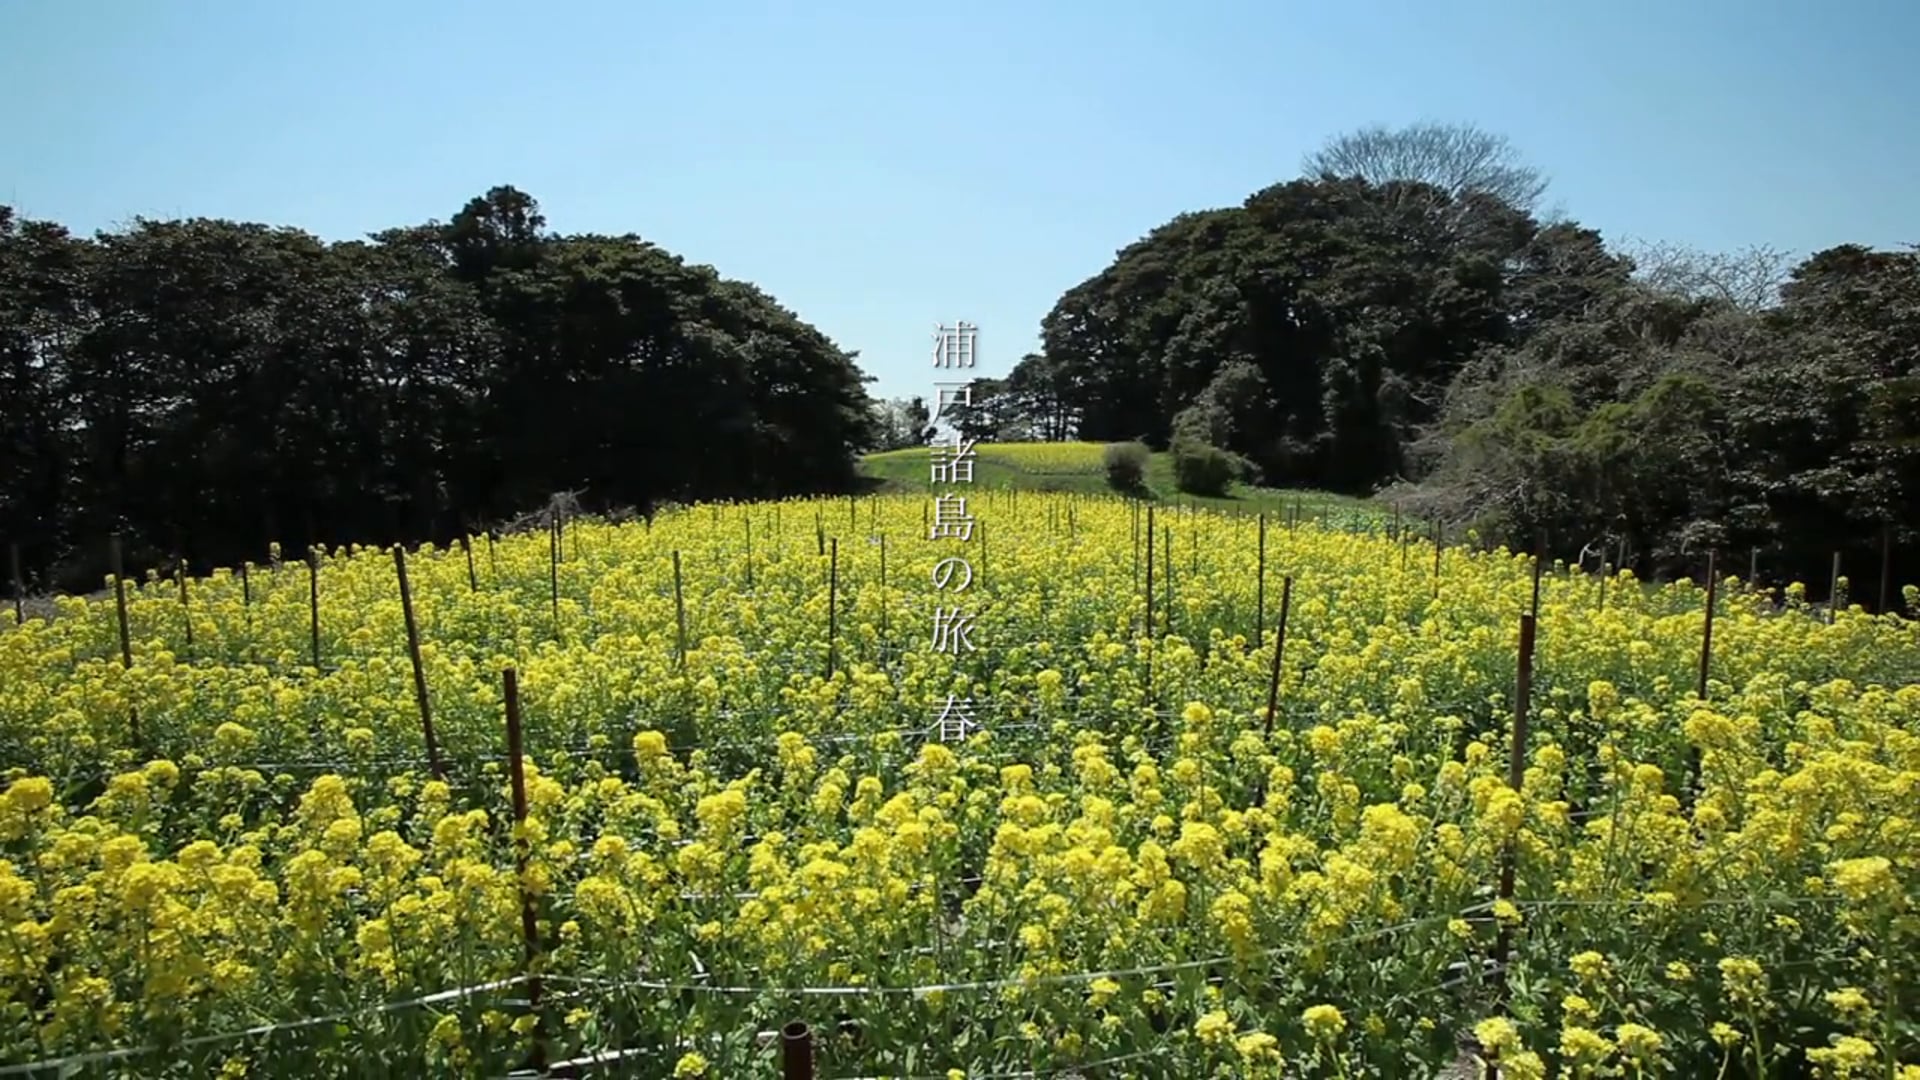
1202 469
1126 464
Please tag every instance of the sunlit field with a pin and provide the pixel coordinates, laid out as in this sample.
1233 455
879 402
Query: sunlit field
237 856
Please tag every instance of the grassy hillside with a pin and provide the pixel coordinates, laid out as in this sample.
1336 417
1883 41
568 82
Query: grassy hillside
1078 467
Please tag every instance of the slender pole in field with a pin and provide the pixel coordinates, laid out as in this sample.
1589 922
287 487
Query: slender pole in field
186 608
246 605
553 569
313 603
473 578
1833 591
1166 552
1279 647
1886 567
126 634
419 670
1149 570
1136 544
1706 638
1538 563
749 519
19 586
1516 778
1260 588
833 608
981 528
1706 665
529 924
679 613
1148 677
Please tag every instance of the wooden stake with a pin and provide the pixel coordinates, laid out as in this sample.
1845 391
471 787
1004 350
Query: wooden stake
981 528
1706 661
1260 588
1279 647
1149 571
419 670
553 569
1706 638
186 608
529 921
19 585
679 613
1538 562
1516 779
1166 552
246 606
126 633
473 578
833 607
1886 568
1833 592
313 602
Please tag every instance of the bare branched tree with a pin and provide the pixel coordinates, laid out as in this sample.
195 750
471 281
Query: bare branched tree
1749 279
1459 159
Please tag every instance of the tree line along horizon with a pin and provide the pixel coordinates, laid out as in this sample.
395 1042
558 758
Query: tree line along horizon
1400 318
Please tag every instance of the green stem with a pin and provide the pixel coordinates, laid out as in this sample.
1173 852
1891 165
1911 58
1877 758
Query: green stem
1759 1045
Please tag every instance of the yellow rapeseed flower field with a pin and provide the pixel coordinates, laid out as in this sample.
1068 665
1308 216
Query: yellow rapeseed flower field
226 860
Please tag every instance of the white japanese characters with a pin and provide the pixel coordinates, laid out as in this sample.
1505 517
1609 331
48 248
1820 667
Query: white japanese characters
952 458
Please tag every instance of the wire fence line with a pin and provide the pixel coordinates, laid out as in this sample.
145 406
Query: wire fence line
104 1057
590 988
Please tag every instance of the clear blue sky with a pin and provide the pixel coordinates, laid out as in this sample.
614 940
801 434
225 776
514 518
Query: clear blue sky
882 166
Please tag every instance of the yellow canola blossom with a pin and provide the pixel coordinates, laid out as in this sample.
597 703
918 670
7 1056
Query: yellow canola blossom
1124 859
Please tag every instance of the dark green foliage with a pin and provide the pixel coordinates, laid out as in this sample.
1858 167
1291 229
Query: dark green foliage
1515 375
1126 464
207 386
1203 469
